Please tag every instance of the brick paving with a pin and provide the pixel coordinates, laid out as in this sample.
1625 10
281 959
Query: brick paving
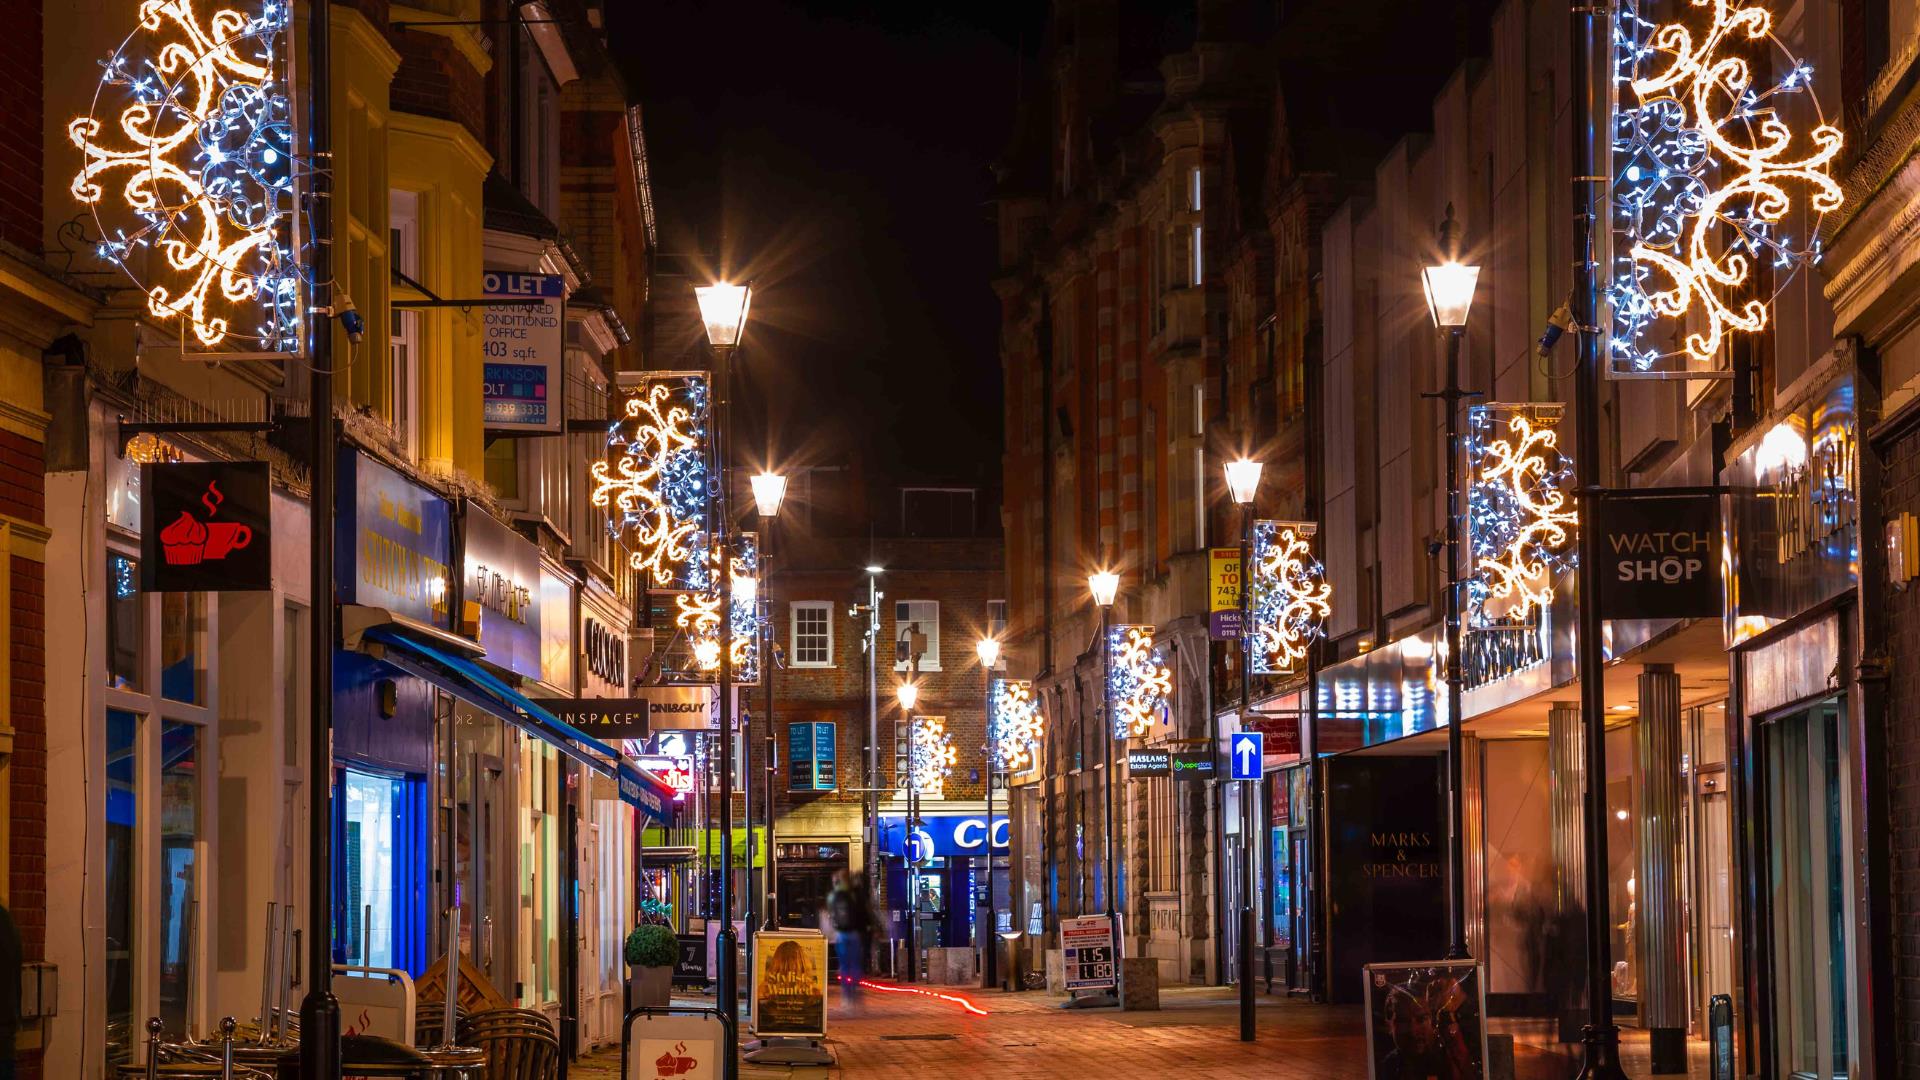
1029 1037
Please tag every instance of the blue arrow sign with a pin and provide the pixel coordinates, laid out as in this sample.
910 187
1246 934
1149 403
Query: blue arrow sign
1245 758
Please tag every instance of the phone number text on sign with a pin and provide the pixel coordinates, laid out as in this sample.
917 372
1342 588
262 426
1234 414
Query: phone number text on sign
522 346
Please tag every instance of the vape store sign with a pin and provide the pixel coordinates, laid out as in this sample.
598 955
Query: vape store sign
1659 555
206 527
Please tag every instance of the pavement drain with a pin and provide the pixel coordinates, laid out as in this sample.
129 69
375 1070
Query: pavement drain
942 1037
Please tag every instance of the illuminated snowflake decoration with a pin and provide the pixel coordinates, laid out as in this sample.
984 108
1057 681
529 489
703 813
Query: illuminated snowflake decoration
933 755
1291 597
1519 512
1705 173
1138 680
191 128
657 482
698 613
1015 726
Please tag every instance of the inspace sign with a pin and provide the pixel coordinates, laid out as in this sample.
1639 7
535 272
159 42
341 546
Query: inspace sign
1659 555
941 835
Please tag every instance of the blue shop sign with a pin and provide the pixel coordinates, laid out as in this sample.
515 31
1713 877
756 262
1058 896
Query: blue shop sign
946 835
393 542
645 797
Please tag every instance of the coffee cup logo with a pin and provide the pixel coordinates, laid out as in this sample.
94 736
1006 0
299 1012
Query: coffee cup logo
190 542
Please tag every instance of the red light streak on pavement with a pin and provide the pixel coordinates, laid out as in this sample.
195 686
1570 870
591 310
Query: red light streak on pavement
955 998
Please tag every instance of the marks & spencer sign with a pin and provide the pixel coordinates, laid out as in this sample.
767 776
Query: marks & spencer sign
206 527
1659 555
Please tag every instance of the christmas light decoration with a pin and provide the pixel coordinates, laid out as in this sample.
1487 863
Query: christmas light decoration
933 755
658 482
698 613
1518 510
200 154
1015 724
1291 596
1139 679
1705 172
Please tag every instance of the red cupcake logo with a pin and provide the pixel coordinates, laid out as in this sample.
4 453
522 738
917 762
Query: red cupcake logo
190 542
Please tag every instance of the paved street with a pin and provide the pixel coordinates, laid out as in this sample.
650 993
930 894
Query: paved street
1029 1037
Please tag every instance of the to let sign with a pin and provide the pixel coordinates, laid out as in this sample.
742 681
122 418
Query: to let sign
1659 555
523 350
1223 587
206 527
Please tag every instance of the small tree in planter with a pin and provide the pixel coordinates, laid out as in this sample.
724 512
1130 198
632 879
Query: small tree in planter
651 951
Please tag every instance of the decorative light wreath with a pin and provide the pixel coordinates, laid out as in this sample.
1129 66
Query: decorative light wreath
1016 725
933 753
1519 513
201 154
1140 680
698 613
657 482
1291 597
1704 171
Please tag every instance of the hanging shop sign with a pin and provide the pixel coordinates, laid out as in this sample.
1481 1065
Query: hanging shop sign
206 527
790 984
393 542
1406 1033
1146 762
676 771
502 584
681 708
604 651
1223 586
1191 765
1793 514
606 719
523 351
942 835
1659 555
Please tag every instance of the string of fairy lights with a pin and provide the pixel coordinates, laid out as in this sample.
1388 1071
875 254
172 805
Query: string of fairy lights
1709 182
1140 679
191 128
1520 512
657 481
1015 726
1291 597
933 755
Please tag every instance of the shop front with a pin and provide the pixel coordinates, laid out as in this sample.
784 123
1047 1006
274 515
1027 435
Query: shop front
937 872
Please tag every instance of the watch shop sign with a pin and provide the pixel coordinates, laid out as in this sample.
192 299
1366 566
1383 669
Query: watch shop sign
206 527
1659 555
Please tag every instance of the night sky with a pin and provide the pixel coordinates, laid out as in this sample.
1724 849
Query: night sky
840 155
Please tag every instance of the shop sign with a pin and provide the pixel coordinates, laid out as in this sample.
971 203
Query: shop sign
393 542
604 651
943 835
1659 555
1282 732
206 527
643 795
690 966
662 1045
1191 765
1386 872
1147 762
1793 519
676 771
606 719
503 582
681 708
523 351
1223 586
810 756
1401 1014
789 983
1086 949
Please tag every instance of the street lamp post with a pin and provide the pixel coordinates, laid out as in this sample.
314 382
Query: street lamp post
1449 288
723 308
907 693
988 650
1105 585
769 490
1243 482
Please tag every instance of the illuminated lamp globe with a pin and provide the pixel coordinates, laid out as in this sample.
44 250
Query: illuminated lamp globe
1243 479
1105 585
769 490
723 308
988 650
1449 288
908 693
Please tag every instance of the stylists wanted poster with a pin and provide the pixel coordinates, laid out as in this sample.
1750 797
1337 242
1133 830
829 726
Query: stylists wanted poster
790 984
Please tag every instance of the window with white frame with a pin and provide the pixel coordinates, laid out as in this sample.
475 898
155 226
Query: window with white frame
1197 260
997 619
403 350
812 634
922 616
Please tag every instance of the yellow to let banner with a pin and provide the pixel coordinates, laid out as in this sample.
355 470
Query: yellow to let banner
1225 563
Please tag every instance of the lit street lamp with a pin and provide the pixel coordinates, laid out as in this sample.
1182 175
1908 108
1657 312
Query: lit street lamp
723 308
1449 288
769 490
988 649
1105 585
907 693
1243 482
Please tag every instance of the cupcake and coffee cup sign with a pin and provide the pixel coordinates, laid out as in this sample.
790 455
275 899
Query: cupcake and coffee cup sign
206 527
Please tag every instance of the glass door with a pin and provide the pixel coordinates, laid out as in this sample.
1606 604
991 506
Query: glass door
1810 890
478 858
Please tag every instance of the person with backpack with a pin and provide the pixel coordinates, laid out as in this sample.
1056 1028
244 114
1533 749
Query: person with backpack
850 914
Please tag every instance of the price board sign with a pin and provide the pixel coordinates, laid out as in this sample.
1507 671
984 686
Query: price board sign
1088 953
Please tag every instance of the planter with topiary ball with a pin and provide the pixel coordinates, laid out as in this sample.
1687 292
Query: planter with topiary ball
651 951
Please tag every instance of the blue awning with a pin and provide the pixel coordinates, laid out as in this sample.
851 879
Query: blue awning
482 689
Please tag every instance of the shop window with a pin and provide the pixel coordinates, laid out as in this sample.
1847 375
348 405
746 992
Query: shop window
812 633
183 647
122 842
179 869
126 608
380 852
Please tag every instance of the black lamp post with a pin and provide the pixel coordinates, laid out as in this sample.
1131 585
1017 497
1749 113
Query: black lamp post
1105 585
723 307
1243 482
907 693
988 650
1449 288
769 491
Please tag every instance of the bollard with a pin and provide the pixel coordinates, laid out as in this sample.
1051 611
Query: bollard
153 1048
226 1047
